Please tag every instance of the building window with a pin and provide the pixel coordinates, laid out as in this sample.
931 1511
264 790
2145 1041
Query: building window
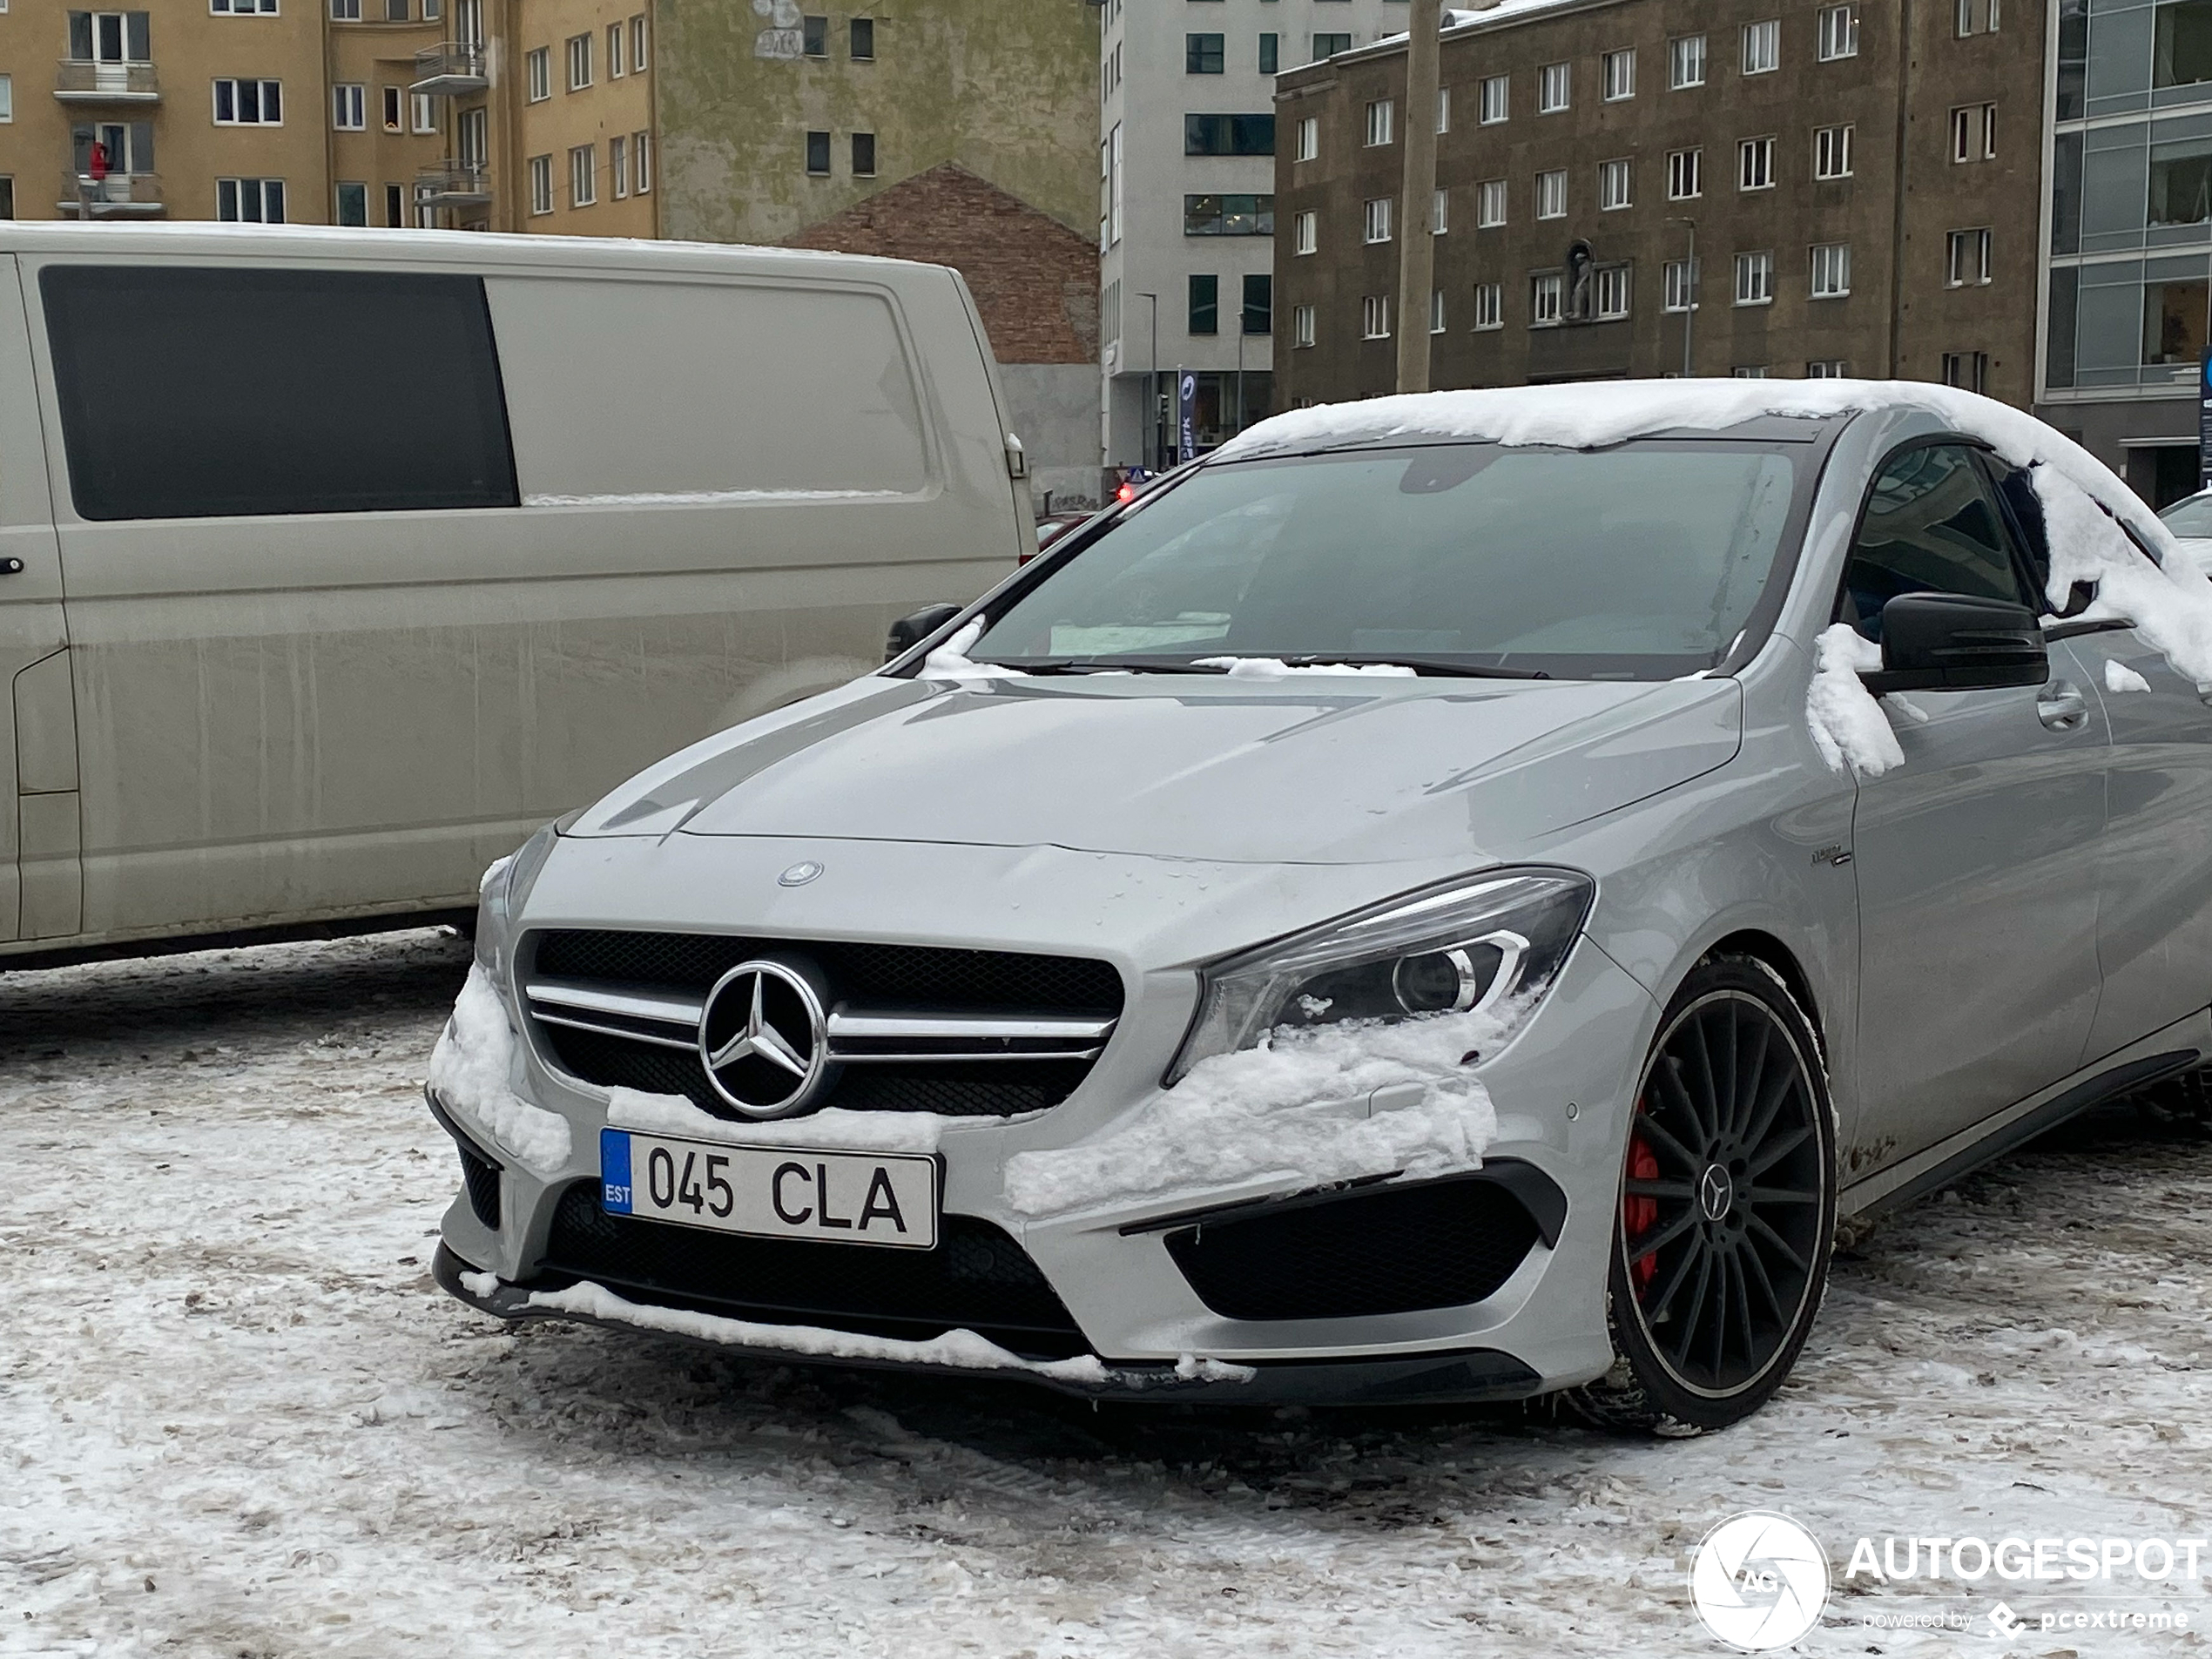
1229 134
345 11
814 36
1204 305
1685 175
1686 62
1230 215
1831 153
1374 316
234 8
391 101
579 61
1489 306
584 175
1202 54
863 155
1495 97
1963 22
1269 50
1439 212
618 165
1553 88
349 108
818 154
1678 280
425 109
1259 313
1754 164
1966 264
1749 372
1832 368
1838 32
1306 232
1436 311
394 206
1620 75
1490 204
1612 186
1969 369
351 205
641 160
1973 133
541 169
1551 194
249 201
249 103
1382 114
638 61
1755 279
538 62
1378 218
1830 270
1301 326
1763 47
1309 138
1612 292
859 40
1543 299
1329 45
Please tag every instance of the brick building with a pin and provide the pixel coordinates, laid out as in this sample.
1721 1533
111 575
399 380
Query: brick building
1862 185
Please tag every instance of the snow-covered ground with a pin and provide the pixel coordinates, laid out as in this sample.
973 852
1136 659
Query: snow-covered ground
236 1417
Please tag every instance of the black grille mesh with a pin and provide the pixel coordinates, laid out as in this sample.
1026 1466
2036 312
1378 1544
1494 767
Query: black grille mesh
977 1278
881 976
482 1180
1386 1250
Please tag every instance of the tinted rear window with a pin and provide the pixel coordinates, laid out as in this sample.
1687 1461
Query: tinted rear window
199 394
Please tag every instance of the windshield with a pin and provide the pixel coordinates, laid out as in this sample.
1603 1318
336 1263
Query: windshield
1641 561
2190 517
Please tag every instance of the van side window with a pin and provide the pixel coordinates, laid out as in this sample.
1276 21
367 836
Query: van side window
190 393
1930 526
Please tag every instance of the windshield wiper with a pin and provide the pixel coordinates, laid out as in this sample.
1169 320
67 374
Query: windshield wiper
1418 665
1106 666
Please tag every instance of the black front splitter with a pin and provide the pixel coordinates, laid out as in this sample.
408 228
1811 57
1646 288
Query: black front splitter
1459 1377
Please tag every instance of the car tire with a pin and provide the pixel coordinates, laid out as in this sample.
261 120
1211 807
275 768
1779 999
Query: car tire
1727 1218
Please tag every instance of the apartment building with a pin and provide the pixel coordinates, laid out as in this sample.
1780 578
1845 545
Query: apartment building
1186 205
2128 235
1651 187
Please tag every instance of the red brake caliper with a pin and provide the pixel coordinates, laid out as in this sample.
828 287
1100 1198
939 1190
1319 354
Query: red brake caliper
1639 1214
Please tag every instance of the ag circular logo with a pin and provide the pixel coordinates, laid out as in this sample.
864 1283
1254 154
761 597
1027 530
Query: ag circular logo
1759 1581
765 1039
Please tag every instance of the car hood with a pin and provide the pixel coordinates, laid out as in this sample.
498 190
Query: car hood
1310 768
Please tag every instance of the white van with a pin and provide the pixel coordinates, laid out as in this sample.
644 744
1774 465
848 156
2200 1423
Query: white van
332 562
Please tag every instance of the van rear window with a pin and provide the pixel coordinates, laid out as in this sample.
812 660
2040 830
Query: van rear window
190 393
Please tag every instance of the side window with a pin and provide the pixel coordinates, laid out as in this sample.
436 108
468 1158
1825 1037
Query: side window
201 393
1930 525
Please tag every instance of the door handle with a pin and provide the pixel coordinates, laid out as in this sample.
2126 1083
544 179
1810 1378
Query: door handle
11 567
2062 707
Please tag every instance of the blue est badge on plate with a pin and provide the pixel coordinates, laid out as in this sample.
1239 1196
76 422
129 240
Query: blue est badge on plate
614 1171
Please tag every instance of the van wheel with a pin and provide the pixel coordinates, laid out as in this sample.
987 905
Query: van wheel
1728 1208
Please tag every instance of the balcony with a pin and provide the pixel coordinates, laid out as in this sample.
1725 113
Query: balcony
120 195
82 81
452 183
451 69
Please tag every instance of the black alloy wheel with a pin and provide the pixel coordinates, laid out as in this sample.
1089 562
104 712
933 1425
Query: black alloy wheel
1727 1207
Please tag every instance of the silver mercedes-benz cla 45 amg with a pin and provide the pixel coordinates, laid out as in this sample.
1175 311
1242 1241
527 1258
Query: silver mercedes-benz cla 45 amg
1449 898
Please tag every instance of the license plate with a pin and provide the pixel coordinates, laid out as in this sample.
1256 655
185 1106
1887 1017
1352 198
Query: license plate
771 1192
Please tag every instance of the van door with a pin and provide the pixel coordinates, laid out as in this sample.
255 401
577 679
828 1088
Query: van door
39 892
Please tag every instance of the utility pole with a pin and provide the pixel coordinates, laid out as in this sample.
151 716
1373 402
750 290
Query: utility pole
1417 244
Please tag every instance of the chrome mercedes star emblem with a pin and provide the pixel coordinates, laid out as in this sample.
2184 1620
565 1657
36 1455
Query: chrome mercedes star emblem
1715 1192
763 1039
799 874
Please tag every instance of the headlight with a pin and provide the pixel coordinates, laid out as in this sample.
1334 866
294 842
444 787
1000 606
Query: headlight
505 885
1468 944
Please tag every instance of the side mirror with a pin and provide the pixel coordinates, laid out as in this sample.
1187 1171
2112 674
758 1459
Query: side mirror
1948 642
910 630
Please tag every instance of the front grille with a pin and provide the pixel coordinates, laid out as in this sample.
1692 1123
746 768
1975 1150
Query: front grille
620 1009
976 1279
481 1178
1384 1249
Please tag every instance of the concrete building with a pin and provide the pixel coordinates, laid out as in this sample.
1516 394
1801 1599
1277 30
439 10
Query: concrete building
1859 181
1186 209
2129 234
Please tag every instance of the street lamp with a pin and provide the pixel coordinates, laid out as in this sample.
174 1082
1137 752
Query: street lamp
1689 289
1147 446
